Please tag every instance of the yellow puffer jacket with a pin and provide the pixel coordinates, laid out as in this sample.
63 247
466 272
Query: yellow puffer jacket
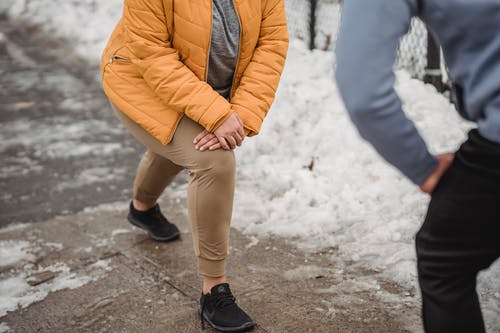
154 67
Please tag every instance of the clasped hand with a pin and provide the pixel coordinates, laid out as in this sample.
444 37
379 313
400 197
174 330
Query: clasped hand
227 136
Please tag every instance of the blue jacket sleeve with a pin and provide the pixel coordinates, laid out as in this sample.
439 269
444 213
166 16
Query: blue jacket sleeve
366 51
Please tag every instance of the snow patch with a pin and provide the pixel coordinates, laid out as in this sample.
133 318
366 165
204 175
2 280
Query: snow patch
13 251
352 286
99 18
4 328
56 140
108 207
16 293
253 241
117 232
55 246
306 272
13 227
93 176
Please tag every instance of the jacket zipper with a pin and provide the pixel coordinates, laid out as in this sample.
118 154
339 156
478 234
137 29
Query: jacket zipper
239 51
210 39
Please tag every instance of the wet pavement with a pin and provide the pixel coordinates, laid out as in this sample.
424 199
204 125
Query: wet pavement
60 146
124 282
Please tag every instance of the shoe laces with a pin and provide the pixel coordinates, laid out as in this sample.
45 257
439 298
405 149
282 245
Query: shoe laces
221 301
159 215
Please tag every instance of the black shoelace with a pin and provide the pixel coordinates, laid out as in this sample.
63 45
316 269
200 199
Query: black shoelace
221 301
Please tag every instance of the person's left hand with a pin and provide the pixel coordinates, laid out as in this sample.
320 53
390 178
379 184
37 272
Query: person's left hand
205 140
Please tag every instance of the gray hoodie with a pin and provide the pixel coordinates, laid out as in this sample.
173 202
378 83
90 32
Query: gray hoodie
469 33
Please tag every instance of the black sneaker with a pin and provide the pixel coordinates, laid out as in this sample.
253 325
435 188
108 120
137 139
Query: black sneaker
220 310
153 221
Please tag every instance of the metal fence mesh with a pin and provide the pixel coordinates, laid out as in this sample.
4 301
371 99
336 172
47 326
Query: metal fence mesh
412 54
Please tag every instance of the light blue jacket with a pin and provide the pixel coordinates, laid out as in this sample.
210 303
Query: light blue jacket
469 33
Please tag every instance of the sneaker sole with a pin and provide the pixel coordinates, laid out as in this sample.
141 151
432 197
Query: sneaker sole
156 238
243 328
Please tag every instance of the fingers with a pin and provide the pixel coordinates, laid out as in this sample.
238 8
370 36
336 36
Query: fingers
231 141
215 146
231 132
223 143
444 162
204 140
200 136
208 143
241 129
238 138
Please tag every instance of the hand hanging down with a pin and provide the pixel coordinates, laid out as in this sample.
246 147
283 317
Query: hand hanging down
227 136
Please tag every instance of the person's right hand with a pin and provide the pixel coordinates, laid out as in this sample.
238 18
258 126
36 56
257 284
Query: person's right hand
444 162
230 133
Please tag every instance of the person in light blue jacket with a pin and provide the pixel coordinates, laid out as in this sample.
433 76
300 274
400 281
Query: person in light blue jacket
461 232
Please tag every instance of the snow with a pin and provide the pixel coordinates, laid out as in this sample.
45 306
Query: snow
13 227
4 328
14 251
117 232
108 207
306 272
350 198
46 141
308 176
253 241
15 292
89 22
94 176
21 256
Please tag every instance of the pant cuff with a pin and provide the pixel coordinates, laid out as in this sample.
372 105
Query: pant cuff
211 268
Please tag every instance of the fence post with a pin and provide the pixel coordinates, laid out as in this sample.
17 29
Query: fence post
312 23
433 73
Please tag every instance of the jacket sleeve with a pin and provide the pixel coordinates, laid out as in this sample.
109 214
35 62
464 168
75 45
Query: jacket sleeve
366 52
148 38
255 94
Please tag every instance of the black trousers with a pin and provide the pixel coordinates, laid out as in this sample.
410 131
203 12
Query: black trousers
460 237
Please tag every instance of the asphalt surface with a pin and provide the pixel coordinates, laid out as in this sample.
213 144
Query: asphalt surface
61 149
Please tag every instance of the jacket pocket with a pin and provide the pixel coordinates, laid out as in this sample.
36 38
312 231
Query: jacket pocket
118 58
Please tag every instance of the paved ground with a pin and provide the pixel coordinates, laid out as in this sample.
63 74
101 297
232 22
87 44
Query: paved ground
59 142
62 151
142 286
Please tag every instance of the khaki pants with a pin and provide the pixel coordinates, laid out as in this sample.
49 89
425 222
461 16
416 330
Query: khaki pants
210 191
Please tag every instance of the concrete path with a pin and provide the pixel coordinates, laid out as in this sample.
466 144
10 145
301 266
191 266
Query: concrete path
134 284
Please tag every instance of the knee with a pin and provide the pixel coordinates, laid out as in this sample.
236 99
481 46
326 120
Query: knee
218 164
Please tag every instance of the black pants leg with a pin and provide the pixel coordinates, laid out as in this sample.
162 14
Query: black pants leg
460 237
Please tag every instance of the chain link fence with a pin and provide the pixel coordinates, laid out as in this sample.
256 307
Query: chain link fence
316 22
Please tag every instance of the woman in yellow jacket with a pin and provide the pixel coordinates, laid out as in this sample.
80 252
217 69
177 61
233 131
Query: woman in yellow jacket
190 80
